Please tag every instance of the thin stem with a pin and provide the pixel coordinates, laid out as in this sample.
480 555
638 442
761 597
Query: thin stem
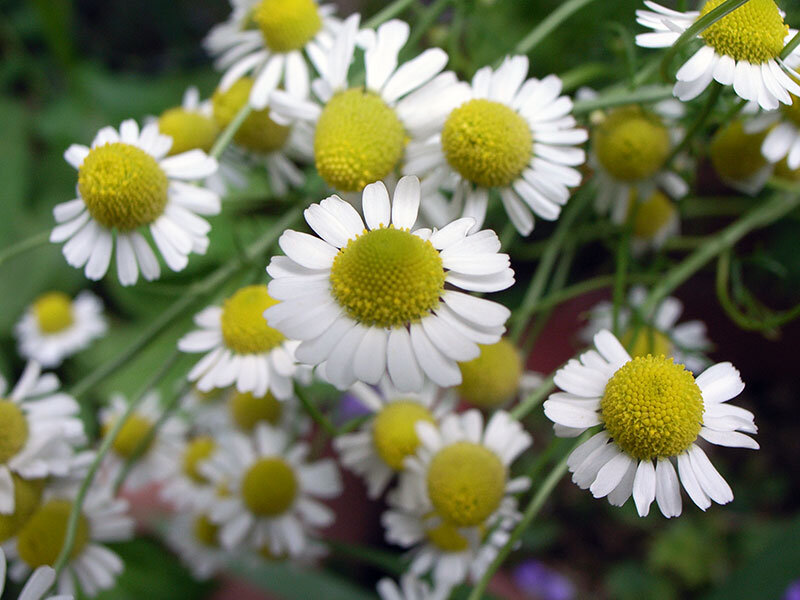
549 24
534 399
391 11
39 239
559 280
426 21
227 135
583 74
644 95
708 109
622 260
790 47
314 412
578 236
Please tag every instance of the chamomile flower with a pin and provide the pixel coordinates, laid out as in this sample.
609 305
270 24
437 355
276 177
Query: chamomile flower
136 436
185 487
195 539
509 134
273 492
128 184
454 501
55 326
377 450
103 518
782 141
39 429
656 220
742 49
241 347
370 301
38 583
653 412
410 588
361 131
270 40
737 158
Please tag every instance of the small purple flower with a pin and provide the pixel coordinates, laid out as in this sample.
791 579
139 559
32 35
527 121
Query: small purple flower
793 591
349 408
538 581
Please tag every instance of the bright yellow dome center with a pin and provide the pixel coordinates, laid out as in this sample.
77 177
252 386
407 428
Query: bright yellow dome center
754 32
197 450
27 497
133 433
387 278
269 487
492 379
248 410
53 312
123 186
652 408
205 531
40 540
358 140
189 130
13 430
394 433
287 24
244 327
631 144
447 538
735 154
652 215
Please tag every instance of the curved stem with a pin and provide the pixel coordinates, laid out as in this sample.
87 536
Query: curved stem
549 24
708 108
39 239
534 399
391 11
790 47
227 135
314 412
426 21
622 260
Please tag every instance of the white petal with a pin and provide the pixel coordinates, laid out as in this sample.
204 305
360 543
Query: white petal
401 362
405 204
668 493
644 487
376 206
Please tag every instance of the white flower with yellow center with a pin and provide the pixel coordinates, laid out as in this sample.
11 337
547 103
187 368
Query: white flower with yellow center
509 134
410 588
782 141
270 40
378 449
656 220
137 440
128 184
195 539
55 327
454 501
242 347
361 131
653 412
39 429
103 518
742 49
367 301
273 492
38 584
736 155
185 487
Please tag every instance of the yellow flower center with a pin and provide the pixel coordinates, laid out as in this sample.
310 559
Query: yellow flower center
466 483
631 144
197 450
244 327
13 430
189 130
205 531
754 32
447 538
649 340
40 540
735 154
487 142
492 379
27 497
287 24
133 433
652 408
123 186
53 312
248 410
393 431
652 215
792 111
258 133
269 487
358 140
387 278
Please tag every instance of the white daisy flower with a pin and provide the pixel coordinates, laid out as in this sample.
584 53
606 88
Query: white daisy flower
782 142
377 450
126 184
103 519
55 327
361 130
195 539
155 462
651 409
241 347
184 486
410 588
659 333
742 49
737 158
455 498
510 134
39 429
38 584
273 492
656 220
270 40
370 301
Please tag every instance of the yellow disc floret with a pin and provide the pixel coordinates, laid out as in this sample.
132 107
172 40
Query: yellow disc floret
648 340
358 140
132 435
387 278
736 154
652 215
248 410
189 130
631 144
40 540
287 24
492 379
393 431
269 487
123 186
652 408
258 133
466 483
205 531
447 538
197 450
487 142
27 497
244 327
13 430
53 312
754 32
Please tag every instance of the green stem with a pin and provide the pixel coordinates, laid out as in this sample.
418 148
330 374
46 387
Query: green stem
426 21
39 239
623 258
549 24
699 122
559 280
578 236
644 95
714 207
790 47
391 11
227 135
314 412
534 399
583 74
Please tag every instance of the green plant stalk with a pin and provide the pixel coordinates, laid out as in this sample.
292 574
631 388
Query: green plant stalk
790 47
697 125
534 399
549 24
559 280
579 235
426 21
22 246
533 508
314 412
227 134
621 273
644 95
391 11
